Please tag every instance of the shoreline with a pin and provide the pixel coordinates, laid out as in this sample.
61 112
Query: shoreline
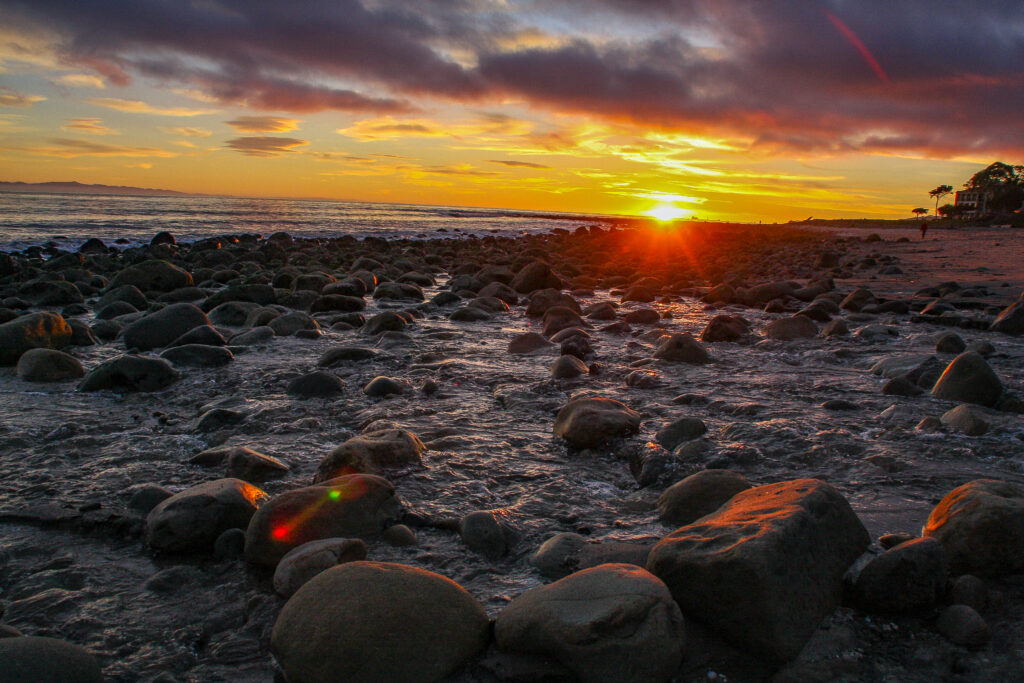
443 314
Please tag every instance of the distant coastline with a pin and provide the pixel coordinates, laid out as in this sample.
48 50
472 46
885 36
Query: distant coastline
74 187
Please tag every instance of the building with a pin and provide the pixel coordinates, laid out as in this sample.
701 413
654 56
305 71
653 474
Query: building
974 202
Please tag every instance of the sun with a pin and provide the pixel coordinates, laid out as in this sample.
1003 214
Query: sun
666 213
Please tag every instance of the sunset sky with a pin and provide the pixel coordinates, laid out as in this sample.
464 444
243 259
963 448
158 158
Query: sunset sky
740 110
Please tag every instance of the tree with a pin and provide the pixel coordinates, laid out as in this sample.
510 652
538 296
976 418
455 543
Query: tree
951 211
1002 183
920 211
940 192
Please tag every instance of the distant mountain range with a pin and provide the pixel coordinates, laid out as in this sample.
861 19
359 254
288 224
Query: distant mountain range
74 187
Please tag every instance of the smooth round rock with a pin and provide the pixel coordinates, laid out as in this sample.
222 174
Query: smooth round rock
699 494
48 365
589 422
367 622
30 659
963 626
301 564
190 521
969 379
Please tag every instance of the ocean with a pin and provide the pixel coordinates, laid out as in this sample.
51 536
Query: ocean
70 219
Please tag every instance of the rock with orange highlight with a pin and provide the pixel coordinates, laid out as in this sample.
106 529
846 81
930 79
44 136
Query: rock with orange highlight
43 330
352 506
372 453
377 621
767 566
981 525
190 521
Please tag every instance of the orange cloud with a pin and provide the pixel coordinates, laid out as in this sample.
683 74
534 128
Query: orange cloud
263 124
67 148
139 107
13 98
265 146
92 126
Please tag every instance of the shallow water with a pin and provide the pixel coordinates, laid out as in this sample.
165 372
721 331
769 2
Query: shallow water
67 570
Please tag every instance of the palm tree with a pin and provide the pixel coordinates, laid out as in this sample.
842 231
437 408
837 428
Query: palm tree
940 192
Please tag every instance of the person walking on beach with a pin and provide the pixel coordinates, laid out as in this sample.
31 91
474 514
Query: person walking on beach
924 228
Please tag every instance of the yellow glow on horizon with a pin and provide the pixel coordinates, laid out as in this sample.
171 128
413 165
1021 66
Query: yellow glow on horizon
667 212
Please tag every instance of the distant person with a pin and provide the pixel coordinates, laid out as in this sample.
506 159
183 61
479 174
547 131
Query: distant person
924 228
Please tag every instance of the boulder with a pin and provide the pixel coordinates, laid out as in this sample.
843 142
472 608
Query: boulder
678 431
336 303
198 355
682 348
558 318
129 294
288 324
352 506
614 622
969 379
372 453
130 373
568 367
788 329
965 419
1010 320
981 526
381 387
589 422
42 330
301 564
544 299
725 328
204 334
238 313
161 328
48 365
398 290
534 276
46 660
345 354
528 342
317 384
190 521
699 494
366 622
383 322
153 275
242 463
767 566
908 578
484 532
963 626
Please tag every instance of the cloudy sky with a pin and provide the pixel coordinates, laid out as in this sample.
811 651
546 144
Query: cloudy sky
747 110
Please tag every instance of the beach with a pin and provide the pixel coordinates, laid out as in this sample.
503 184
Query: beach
784 378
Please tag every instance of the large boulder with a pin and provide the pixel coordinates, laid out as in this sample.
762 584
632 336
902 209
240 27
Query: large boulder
375 621
190 521
766 567
682 348
528 342
699 494
198 355
723 328
161 328
383 322
372 453
981 525
589 422
353 506
907 578
46 660
42 330
614 622
48 365
969 379
130 373
558 318
788 329
153 275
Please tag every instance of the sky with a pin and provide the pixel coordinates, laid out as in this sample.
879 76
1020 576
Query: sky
716 109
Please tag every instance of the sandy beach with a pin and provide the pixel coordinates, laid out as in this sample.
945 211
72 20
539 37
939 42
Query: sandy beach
449 370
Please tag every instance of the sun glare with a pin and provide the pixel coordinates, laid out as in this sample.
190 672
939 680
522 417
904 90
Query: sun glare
667 212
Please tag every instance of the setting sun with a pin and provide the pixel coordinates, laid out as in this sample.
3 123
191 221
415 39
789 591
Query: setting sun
667 212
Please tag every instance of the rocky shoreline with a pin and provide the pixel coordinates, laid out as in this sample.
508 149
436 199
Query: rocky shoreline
694 454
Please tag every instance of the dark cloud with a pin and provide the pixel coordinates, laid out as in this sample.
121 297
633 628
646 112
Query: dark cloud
517 164
265 146
929 76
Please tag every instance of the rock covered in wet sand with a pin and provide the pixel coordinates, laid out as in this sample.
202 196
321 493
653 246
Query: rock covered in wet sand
969 379
191 520
614 622
682 348
981 525
766 567
589 422
48 365
301 564
42 330
373 453
376 621
352 506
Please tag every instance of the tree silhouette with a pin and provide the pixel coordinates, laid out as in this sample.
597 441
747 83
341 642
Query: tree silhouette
940 192
920 211
1003 183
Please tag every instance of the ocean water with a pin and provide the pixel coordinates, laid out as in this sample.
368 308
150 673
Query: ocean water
71 219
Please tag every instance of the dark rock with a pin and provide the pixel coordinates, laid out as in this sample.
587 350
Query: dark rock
381 387
48 365
230 544
677 431
154 275
318 384
725 328
301 564
969 379
130 373
528 342
905 579
950 342
534 276
568 367
206 335
164 326
788 329
242 463
699 494
965 419
198 355
682 348
589 422
484 532
192 520
1010 320
43 330
217 418
373 453
366 622
237 313
963 626
382 322
559 318
30 659
344 354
